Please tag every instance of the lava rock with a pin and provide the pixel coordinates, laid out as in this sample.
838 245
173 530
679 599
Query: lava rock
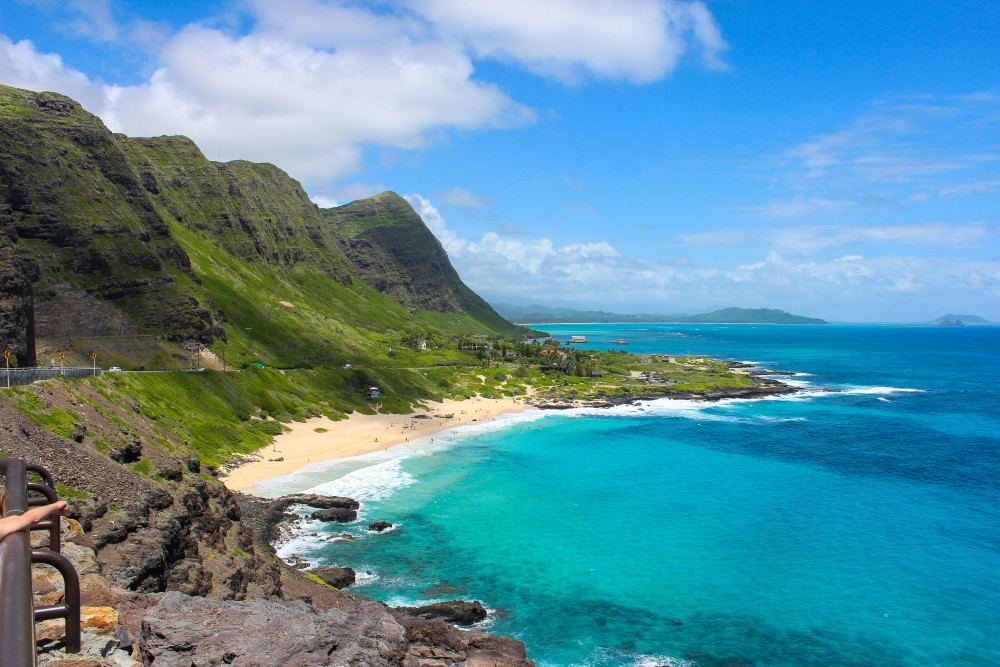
171 471
320 502
379 526
459 612
128 453
337 514
192 463
338 577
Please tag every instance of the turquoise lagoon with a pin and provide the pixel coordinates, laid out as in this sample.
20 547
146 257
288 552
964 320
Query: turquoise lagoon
847 528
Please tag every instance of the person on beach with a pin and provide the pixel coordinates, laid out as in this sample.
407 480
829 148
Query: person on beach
18 522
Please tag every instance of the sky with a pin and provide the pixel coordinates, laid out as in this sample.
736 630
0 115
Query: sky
836 159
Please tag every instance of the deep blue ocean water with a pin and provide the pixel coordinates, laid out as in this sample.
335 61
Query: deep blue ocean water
840 529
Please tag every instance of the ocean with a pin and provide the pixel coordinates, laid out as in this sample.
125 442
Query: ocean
845 528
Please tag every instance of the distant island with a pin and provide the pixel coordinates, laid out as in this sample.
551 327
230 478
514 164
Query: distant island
959 320
537 314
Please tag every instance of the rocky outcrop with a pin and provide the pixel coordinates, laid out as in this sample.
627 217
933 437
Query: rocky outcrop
435 643
318 501
459 612
379 526
337 514
338 577
182 630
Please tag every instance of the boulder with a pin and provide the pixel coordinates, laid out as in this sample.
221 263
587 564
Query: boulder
127 453
171 471
338 577
320 502
336 514
459 612
180 631
379 526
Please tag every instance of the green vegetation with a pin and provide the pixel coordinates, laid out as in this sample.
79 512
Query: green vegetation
68 493
313 577
192 264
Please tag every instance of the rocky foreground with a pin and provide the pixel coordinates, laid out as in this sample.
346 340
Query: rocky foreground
178 570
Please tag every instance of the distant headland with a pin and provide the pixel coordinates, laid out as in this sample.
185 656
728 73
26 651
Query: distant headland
537 314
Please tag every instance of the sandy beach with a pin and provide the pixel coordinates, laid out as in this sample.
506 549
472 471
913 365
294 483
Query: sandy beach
322 439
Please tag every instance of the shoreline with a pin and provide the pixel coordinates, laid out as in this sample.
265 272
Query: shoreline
320 439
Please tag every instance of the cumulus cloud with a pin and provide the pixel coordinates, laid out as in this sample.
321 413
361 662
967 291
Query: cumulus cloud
311 83
570 40
787 275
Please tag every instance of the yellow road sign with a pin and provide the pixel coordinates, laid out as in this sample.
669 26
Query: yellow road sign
93 355
6 354
62 355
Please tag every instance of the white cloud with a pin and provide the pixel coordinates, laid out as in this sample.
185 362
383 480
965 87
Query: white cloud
899 153
637 40
463 198
323 202
598 274
268 97
23 66
810 239
314 82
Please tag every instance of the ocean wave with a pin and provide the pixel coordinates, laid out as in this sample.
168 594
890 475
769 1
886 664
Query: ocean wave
606 656
853 389
791 382
372 483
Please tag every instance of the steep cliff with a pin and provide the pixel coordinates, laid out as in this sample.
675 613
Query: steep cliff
17 304
69 194
148 236
391 248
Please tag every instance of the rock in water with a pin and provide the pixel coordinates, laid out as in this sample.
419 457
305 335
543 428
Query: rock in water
460 612
338 577
379 526
336 514
320 502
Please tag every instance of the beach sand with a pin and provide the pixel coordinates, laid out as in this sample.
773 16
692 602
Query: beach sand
361 434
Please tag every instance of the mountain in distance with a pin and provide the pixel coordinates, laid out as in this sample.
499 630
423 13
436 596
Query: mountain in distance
537 314
148 238
964 319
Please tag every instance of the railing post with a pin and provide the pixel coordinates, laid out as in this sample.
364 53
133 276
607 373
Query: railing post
70 608
17 621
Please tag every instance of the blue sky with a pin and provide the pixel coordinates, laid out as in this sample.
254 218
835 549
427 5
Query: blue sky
833 159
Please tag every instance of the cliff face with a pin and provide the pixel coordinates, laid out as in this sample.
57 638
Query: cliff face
17 304
114 222
69 194
253 211
391 249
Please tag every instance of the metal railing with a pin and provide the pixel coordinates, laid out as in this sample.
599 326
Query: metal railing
17 612
19 376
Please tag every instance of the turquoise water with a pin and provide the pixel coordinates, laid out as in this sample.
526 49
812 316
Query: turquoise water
849 528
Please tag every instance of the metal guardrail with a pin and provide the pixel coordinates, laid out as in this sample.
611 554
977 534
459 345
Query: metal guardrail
17 612
18 376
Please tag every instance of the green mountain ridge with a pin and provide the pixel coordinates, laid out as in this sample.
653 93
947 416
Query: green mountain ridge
147 237
537 314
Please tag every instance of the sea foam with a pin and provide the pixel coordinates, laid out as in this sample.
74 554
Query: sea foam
374 482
